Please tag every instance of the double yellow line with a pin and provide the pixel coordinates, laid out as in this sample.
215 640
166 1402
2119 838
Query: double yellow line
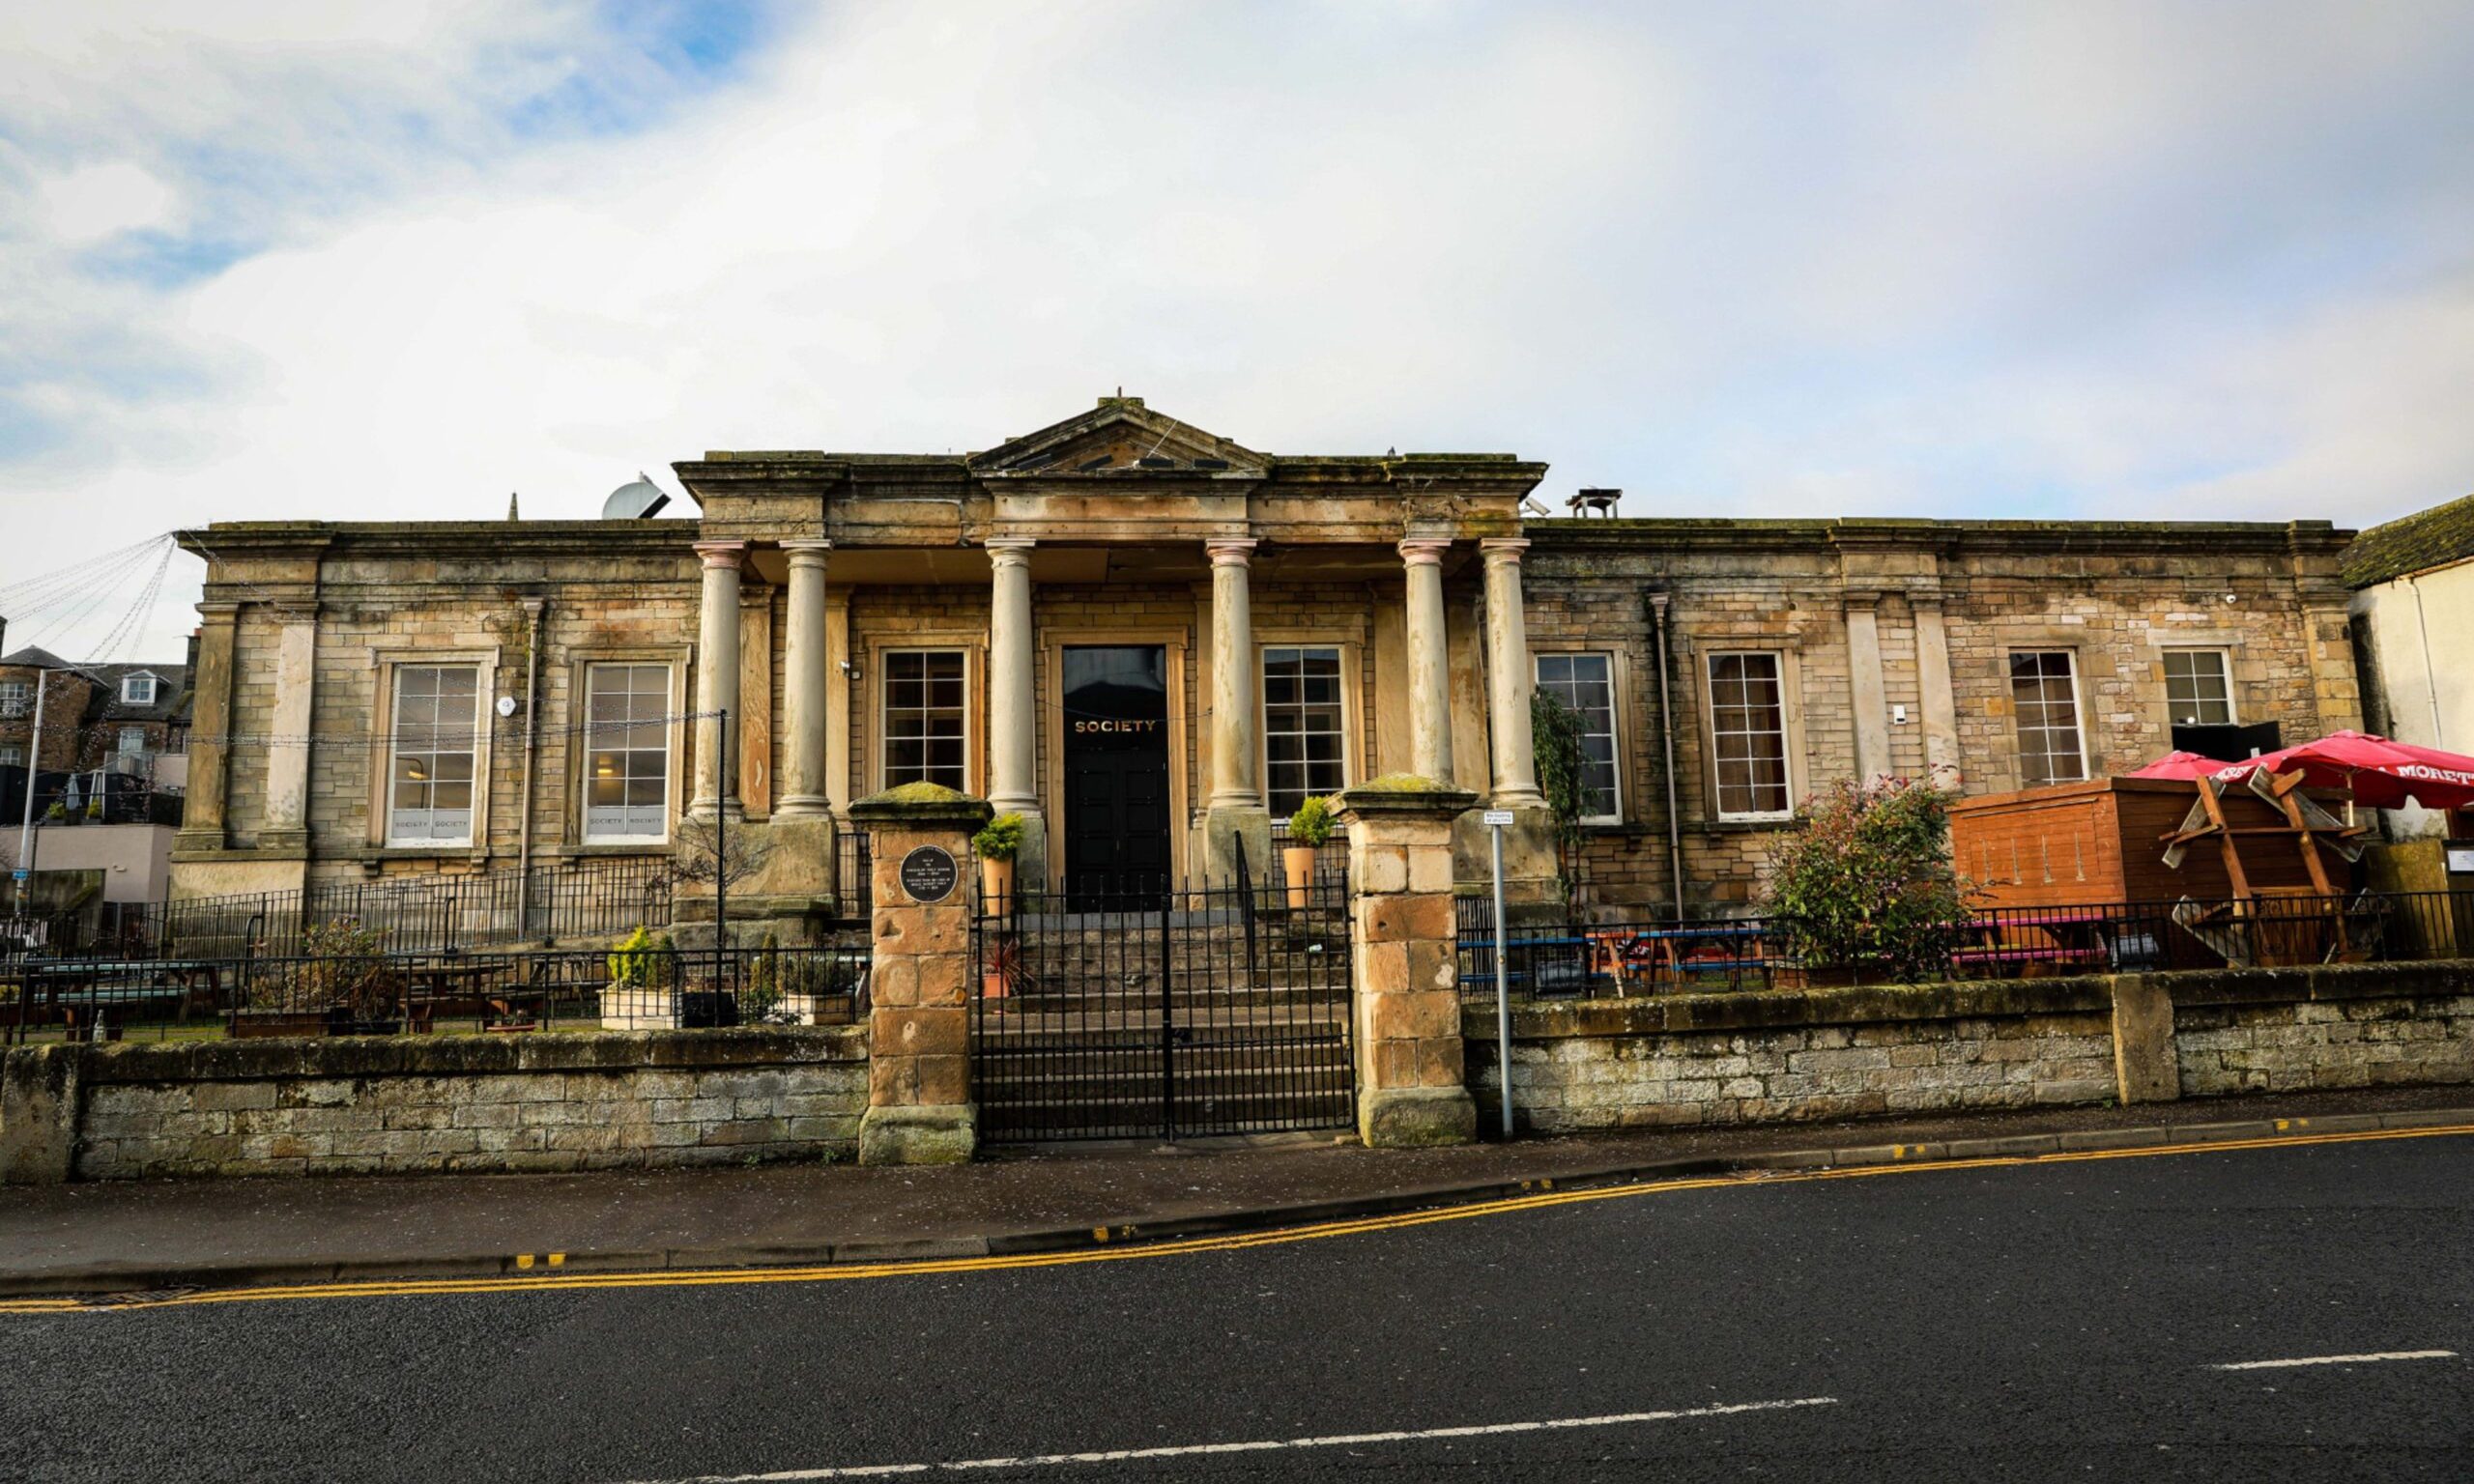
1546 1196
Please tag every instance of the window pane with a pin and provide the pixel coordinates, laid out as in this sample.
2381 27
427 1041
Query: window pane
1748 731
926 721
433 748
1305 746
1584 683
2198 691
2044 702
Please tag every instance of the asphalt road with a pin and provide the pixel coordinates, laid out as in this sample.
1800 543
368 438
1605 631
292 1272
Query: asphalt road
2041 1322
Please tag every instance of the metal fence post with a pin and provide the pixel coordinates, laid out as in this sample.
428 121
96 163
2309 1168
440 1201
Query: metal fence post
1168 1020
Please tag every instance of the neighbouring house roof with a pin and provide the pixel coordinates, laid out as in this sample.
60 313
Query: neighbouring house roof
2436 537
34 658
171 691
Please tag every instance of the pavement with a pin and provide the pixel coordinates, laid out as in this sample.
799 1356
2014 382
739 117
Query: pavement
120 1236
2295 1310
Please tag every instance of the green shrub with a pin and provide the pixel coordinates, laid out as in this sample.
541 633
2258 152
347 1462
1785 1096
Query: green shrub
1313 823
641 960
1000 839
1867 881
1561 758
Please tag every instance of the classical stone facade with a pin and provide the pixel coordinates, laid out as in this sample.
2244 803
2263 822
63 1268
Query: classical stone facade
1151 642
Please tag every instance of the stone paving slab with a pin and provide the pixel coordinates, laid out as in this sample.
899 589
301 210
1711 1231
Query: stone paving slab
124 1234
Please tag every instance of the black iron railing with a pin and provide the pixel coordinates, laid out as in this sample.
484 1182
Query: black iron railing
1560 957
625 988
590 898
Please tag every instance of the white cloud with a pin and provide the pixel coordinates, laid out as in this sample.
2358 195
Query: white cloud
99 201
2106 259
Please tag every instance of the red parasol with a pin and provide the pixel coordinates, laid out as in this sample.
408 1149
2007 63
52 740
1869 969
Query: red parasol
2182 765
2380 774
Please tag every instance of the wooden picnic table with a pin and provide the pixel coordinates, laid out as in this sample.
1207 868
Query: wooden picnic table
69 987
2069 942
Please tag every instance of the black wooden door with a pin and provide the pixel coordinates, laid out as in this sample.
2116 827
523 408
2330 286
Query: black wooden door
1117 772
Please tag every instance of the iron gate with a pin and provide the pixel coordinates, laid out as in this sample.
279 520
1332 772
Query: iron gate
1162 1012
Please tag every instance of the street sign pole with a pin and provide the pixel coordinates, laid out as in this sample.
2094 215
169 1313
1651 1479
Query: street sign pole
34 770
1496 819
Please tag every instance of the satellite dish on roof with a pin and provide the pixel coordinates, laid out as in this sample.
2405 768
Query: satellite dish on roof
639 499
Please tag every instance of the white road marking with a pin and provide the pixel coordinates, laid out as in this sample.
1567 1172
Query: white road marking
2385 1355
1265 1445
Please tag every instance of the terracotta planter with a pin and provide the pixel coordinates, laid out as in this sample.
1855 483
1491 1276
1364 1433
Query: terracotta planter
996 884
1298 861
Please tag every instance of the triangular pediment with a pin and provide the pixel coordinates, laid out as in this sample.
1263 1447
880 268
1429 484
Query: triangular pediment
1120 438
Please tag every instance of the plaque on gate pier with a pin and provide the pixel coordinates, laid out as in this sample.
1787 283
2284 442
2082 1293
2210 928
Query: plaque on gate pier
929 874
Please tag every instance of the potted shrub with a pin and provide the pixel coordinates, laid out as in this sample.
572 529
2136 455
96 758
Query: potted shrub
996 844
1864 889
1308 829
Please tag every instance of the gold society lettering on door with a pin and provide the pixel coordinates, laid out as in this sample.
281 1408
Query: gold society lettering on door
1151 724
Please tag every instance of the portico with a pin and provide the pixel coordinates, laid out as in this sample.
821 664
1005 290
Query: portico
1147 641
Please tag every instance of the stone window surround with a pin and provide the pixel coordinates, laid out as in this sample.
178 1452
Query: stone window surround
2229 643
580 660
382 768
1051 641
2233 687
1699 647
1352 695
1618 678
973 644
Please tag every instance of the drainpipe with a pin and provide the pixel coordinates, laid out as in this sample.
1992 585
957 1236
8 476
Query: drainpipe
2431 686
532 733
1666 737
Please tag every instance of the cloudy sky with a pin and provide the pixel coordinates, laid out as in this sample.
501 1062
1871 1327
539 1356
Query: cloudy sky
263 260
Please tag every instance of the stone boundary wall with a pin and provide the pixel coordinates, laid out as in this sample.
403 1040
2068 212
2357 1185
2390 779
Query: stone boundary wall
413 1104
1801 1055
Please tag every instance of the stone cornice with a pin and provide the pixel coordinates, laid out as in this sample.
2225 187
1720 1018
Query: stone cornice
1950 537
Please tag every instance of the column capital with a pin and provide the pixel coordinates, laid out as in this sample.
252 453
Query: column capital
1504 549
1424 550
1863 597
1009 550
1231 551
806 551
721 556
220 609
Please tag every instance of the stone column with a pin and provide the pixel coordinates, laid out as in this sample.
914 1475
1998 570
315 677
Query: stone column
1410 1078
296 664
919 1107
1235 810
1012 725
1937 700
805 685
1868 691
202 825
717 681
1509 680
1429 660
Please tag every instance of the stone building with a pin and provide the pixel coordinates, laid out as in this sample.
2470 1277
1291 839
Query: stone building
1152 641
2413 605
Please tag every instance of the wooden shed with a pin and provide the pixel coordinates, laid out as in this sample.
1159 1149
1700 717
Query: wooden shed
2073 845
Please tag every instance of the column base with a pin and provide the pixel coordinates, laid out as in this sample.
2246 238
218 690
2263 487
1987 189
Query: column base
1224 825
1530 869
938 1133
1030 863
1414 1117
803 806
